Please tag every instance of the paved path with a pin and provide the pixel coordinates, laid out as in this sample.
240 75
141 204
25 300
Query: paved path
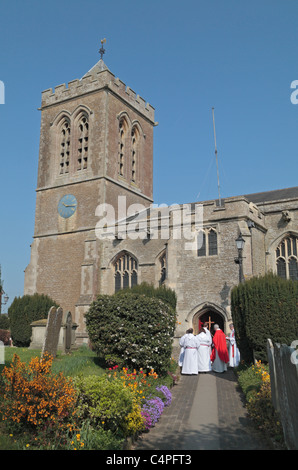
206 413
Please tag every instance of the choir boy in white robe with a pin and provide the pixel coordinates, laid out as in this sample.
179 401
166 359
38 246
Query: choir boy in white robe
181 356
205 326
190 344
204 362
234 353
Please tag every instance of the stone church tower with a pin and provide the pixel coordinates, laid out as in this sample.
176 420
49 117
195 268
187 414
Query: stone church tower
96 143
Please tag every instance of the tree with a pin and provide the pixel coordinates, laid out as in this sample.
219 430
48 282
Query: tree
132 330
25 310
264 307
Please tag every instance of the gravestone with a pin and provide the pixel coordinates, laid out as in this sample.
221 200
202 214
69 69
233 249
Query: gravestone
68 326
51 339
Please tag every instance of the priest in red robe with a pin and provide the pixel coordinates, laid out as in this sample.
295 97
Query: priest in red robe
219 355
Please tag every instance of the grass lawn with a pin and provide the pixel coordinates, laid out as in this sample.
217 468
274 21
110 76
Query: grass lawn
82 361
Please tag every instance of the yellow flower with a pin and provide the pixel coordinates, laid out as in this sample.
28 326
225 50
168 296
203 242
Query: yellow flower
78 437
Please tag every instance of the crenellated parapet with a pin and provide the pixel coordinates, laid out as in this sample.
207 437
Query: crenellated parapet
92 82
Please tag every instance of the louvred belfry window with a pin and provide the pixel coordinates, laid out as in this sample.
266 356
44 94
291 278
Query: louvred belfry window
123 128
83 143
64 146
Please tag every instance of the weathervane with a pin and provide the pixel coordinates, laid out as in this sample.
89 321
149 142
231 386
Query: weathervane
102 50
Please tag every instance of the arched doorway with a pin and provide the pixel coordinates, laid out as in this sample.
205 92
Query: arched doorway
211 316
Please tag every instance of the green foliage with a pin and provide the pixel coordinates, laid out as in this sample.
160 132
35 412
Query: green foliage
4 322
95 438
132 330
249 381
163 293
264 307
106 404
25 310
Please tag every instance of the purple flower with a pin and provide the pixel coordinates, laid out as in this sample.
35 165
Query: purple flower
167 394
147 419
154 407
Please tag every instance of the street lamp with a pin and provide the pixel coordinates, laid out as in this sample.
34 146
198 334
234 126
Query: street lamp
240 245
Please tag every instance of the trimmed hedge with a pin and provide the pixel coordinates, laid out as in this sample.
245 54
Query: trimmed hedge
25 310
264 307
132 330
163 293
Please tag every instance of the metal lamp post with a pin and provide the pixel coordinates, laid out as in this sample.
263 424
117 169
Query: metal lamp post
240 245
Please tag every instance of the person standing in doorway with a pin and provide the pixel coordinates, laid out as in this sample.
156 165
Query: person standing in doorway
219 355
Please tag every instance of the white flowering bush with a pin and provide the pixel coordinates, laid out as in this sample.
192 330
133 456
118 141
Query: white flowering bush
132 330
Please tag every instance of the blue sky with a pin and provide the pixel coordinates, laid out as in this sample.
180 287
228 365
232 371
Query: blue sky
184 58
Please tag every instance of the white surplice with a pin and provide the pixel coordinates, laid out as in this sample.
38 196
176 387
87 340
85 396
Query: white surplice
190 361
204 362
181 355
234 353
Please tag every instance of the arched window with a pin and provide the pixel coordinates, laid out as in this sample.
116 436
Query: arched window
202 244
135 137
82 143
123 129
286 258
163 268
126 271
212 242
207 242
64 145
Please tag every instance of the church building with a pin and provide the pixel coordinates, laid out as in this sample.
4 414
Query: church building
96 153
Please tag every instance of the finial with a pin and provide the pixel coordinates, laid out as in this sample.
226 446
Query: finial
102 50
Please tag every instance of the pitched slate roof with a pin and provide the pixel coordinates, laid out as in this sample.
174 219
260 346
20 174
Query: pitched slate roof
275 195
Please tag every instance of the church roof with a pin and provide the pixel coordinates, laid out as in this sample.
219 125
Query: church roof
275 195
100 66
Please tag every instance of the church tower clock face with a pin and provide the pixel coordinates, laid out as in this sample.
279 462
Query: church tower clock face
67 206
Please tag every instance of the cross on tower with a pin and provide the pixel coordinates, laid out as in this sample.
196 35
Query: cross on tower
102 50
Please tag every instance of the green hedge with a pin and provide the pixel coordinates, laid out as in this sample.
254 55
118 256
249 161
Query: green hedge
23 311
264 307
132 330
163 293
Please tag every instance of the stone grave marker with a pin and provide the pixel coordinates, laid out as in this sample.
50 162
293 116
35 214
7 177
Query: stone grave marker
51 338
67 340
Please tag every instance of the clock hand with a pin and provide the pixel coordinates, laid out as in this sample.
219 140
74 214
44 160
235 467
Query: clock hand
68 205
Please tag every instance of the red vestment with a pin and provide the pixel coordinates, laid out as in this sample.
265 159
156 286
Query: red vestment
220 345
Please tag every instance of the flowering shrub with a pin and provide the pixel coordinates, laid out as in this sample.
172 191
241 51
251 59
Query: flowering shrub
154 408
167 394
149 398
255 382
132 330
33 398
